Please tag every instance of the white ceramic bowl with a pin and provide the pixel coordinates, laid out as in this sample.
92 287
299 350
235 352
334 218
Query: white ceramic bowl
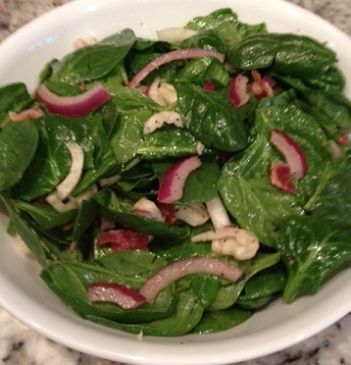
24 294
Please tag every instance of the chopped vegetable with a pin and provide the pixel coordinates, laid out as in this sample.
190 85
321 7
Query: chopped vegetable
73 106
173 181
115 293
132 228
182 268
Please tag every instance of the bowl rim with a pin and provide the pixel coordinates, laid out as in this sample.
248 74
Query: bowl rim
16 302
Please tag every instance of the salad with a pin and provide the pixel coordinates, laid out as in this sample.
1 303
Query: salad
178 185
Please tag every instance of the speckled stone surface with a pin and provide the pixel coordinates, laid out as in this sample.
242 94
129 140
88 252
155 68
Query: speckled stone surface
20 345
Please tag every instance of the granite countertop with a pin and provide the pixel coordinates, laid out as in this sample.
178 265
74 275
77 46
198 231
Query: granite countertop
20 345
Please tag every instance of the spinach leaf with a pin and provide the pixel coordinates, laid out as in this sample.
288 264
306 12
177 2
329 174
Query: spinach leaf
45 216
211 118
41 249
225 24
188 313
13 97
244 184
52 160
290 54
94 62
264 284
252 304
227 295
18 144
167 142
328 107
87 212
205 287
221 320
312 251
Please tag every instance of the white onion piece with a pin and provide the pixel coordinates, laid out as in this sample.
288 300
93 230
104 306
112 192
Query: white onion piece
181 268
115 293
73 106
218 213
147 208
64 189
193 214
159 119
154 92
27 114
59 205
199 148
168 93
108 181
180 54
174 34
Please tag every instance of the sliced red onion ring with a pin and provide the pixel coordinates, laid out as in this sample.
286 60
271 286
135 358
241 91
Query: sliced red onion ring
291 151
173 181
169 212
281 178
73 106
180 54
181 268
115 293
124 239
238 93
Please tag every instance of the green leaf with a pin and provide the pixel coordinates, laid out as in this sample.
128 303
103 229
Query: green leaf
13 97
221 320
312 251
290 54
188 313
46 217
96 61
211 118
27 233
18 144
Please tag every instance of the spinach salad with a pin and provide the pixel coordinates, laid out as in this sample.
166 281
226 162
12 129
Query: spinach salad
177 186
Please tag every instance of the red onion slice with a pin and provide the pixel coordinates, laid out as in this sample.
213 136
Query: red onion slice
281 178
238 93
180 54
115 293
181 268
124 239
73 106
173 181
291 151
209 86
169 212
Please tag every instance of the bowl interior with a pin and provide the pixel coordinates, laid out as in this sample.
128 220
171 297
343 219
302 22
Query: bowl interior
24 294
